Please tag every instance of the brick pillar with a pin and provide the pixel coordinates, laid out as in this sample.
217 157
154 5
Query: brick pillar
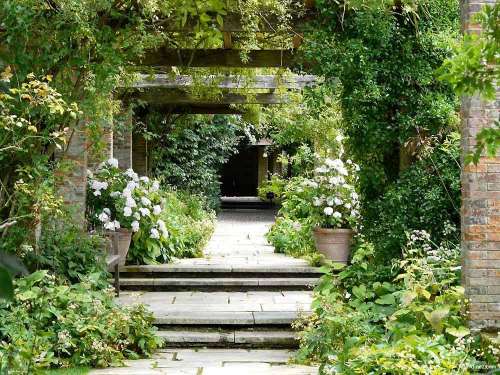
480 205
98 156
72 185
122 142
139 155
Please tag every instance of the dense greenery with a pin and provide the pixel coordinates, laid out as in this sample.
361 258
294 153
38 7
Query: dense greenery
406 317
189 152
384 54
189 225
425 196
54 324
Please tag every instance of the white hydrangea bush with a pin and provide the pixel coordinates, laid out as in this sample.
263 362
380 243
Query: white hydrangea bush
121 199
332 194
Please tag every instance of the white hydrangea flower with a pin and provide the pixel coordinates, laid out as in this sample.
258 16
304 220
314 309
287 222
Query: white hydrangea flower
117 224
144 211
317 201
337 201
127 211
161 224
145 201
130 202
354 195
156 210
115 194
328 211
337 215
321 170
137 215
339 138
113 162
97 193
135 226
110 225
154 233
330 201
343 171
131 174
348 206
131 185
156 186
103 217
107 211
144 179
127 193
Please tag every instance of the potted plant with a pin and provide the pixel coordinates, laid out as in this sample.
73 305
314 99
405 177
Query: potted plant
122 203
333 202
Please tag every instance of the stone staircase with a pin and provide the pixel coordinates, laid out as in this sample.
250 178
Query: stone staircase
222 305
230 311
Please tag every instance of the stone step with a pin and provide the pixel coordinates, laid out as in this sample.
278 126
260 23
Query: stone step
220 270
217 283
192 337
226 318
212 361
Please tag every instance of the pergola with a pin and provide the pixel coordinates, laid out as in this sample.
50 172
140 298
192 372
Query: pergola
480 183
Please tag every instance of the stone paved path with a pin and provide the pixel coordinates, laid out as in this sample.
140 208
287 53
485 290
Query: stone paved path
253 316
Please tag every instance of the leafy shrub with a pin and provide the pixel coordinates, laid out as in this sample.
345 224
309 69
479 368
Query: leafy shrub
426 195
189 224
193 151
50 324
292 232
275 186
69 253
406 318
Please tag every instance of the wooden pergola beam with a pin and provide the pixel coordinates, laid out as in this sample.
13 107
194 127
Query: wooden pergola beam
218 58
270 82
178 96
192 109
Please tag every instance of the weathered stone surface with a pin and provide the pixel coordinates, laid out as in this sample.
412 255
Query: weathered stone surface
202 317
265 337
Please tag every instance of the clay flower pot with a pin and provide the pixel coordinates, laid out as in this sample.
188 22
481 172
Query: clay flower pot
334 244
120 239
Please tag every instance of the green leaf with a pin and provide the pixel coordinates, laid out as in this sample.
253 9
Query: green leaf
435 318
387 299
6 286
359 291
458 332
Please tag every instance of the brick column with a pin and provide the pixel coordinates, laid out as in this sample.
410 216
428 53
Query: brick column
122 142
72 185
139 155
480 205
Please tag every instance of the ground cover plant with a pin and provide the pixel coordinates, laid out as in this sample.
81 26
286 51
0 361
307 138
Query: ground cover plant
51 323
406 317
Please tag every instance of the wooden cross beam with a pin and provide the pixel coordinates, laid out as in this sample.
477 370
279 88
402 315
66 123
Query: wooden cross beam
211 109
178 96
271 82
218 58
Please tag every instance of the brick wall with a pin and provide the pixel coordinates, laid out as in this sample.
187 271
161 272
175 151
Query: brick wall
73 183
480 205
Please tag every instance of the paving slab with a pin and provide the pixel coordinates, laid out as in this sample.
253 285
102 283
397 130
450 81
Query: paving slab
202 317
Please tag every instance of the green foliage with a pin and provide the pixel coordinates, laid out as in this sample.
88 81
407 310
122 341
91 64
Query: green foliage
190 154
69 253
275 186
425 196
384 54
292 232
474 69
408 317
51 324
189 224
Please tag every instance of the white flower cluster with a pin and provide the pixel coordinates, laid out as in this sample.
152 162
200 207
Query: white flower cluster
138 209
332 195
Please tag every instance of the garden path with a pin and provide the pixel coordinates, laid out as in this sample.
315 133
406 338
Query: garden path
236 302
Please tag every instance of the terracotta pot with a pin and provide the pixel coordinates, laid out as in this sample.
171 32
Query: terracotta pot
334 244
120 240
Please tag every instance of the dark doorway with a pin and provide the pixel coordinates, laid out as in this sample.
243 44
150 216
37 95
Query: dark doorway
240 173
